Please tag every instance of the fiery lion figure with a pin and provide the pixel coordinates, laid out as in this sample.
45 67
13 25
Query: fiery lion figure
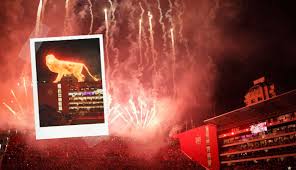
63 68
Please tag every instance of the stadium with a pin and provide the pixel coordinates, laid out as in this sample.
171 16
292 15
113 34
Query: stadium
179 77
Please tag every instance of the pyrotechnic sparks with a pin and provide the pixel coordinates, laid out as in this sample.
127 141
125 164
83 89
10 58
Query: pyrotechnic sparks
152 41
137 112
164 38
151 30
40 15
107 36
140 72
91 17
140 40
67 15
25 86
17 101
174 61
143 35
11 110
38 19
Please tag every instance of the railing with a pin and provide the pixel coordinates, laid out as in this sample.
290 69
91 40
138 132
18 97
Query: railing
269 124
259 139
258 149
259 158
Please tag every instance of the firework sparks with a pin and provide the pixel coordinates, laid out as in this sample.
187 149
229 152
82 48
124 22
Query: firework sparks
174 61
25 86
38 19
147 69
11 110
162 25
66 24
107 36
136 113
91 17
17 101
19 104
151 32
140 39
152 43
143 35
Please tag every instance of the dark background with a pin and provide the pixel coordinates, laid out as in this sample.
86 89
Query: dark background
85 51
259 41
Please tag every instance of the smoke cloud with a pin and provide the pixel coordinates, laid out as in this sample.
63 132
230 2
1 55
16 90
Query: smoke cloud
169 83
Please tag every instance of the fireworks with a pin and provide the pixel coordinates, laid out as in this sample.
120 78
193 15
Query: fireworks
140 39
67 15
19 104
11 110
38 19
174 61
91 17
107 36
137 112
141 73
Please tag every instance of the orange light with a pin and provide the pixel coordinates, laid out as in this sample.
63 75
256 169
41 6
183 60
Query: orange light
63 68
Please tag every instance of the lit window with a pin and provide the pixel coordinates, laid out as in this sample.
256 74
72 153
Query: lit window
59 86
209 156
208 149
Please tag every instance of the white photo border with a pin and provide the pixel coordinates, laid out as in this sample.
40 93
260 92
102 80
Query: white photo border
67 131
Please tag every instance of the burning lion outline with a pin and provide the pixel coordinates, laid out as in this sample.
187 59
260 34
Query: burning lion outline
66 68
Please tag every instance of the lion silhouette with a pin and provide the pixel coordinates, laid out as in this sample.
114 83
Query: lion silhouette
63 68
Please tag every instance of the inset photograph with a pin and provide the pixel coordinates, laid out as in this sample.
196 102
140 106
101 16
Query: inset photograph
69 86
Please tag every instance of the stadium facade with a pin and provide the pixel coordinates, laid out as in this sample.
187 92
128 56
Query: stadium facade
261 135
81 102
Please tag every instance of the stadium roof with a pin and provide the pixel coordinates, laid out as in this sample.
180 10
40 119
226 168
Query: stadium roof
261 111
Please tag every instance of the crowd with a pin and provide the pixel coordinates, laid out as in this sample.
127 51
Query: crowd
278 164
289 139
261 153
109 153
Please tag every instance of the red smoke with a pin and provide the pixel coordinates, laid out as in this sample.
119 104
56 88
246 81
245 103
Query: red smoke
172 84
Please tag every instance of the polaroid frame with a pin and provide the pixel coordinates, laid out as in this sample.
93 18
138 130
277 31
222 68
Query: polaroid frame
66 131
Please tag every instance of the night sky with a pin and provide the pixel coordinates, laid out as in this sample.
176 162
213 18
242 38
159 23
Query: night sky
85 51
259 41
